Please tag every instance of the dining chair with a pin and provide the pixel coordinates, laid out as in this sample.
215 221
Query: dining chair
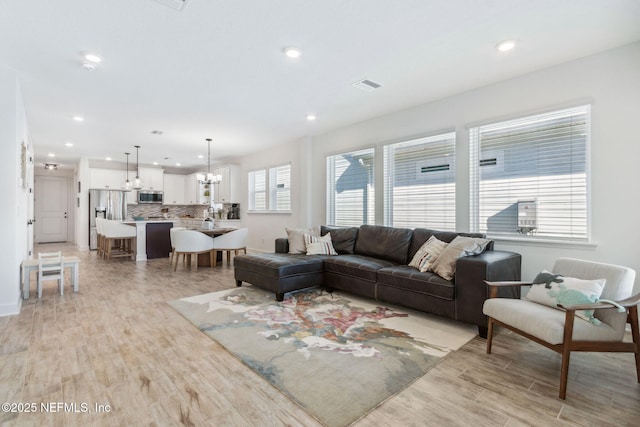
50 267
172 230
190 242
566 314
235 241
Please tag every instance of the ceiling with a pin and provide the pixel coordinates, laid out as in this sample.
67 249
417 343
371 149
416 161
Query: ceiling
215 69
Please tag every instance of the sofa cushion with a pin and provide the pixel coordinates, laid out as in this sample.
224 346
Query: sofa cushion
279 265
343 238
405 277
387 243
355 265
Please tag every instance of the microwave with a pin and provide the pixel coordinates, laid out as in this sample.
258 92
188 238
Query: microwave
149 196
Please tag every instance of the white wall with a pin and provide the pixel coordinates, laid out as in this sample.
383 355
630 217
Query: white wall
14 215
610 80
264 228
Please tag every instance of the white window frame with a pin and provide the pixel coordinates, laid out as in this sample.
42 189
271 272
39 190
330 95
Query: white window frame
272 191
554 181
413 197
342 206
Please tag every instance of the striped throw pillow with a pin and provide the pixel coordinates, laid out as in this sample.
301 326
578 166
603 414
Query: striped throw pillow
319 245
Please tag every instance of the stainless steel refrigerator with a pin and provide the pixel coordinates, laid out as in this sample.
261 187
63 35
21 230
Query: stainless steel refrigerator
108 204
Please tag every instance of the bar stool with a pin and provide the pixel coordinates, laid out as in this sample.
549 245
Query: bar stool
119 240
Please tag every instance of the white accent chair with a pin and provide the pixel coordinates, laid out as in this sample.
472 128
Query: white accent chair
50 267
190 242
560 330
235 241
119 240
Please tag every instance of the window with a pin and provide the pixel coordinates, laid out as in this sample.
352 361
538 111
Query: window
529 176
278 183
280 188
258 190
350 189
419 183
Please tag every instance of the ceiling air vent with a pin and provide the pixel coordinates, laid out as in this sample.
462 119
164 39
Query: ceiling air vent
174 4
367 85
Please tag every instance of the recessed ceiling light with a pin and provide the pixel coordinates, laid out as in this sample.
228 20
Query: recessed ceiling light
51 155
506 45
78 118
178 164
311 117
155 163
108 159
92 57
292 52
88 67
69 144
200 156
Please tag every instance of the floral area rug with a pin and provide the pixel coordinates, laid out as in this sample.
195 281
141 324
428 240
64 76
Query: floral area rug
336 355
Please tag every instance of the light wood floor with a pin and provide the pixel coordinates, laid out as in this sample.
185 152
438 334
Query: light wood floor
118 343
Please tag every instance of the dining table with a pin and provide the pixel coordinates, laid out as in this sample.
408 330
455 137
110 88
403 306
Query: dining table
204 260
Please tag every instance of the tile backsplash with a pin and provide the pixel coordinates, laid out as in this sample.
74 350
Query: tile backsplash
175 211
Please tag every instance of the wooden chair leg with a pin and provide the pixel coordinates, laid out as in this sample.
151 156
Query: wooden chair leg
195 261
175 261
228 257
215 258
566 352
489 334
635 335
211 259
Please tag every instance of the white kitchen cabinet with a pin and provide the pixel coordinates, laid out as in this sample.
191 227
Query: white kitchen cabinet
152 178
174 189
107 178
195 190
228 189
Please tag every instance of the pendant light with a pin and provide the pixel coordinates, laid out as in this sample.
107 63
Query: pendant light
137 182
211 179
127 185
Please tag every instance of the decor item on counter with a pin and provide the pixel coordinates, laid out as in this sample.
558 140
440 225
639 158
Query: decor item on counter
329 340
127 185
138 218
137 182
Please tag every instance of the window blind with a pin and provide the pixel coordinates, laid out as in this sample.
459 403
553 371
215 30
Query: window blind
280 188
350 188
419 183
529 176
258 190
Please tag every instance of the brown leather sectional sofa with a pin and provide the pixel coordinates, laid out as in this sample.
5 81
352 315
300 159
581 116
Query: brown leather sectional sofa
372 261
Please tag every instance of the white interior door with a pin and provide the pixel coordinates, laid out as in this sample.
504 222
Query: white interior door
51 204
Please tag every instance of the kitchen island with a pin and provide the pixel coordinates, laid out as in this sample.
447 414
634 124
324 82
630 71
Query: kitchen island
153 235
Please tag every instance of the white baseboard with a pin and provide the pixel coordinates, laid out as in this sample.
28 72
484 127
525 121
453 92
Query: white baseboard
11 309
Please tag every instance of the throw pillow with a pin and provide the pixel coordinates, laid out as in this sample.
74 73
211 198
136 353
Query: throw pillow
296 239
317 245
569 291
445 264
427 254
